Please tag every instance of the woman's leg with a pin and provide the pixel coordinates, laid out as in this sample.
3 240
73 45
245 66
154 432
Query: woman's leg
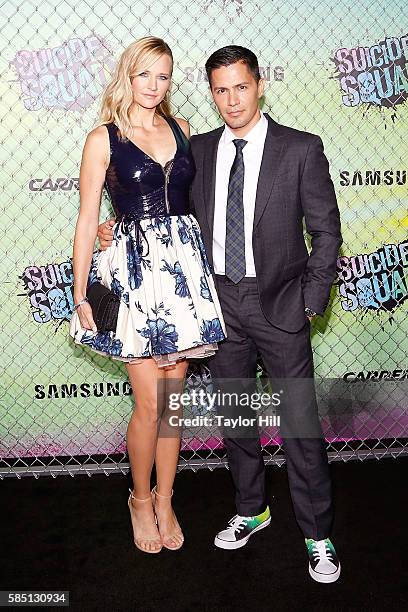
167 454
141 445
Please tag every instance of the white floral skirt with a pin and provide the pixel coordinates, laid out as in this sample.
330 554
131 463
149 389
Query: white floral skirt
169 308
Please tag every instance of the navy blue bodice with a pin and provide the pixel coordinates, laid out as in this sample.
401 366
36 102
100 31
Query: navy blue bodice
139 185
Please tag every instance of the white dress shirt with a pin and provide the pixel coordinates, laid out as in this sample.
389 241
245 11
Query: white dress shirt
252 152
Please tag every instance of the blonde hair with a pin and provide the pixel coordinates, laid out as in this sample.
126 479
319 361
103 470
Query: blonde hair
118 97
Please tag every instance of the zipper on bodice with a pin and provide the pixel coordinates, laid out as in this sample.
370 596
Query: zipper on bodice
167 171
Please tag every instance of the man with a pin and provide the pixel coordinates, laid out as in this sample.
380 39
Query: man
256 181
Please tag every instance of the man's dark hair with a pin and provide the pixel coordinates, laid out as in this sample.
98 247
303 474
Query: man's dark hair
230 55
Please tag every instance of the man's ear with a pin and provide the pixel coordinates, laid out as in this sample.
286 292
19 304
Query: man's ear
261 87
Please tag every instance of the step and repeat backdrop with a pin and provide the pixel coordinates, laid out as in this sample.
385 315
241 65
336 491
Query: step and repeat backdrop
334 69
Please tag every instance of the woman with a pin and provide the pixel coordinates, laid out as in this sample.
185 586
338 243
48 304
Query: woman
169 310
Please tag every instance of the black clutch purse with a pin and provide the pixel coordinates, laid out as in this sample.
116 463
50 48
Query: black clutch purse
105 306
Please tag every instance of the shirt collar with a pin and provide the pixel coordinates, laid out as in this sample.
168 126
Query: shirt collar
255 135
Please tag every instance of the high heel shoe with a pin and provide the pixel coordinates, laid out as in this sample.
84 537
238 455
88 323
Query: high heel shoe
134 525
178 531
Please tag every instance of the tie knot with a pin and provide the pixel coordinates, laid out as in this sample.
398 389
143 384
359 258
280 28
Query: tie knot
239 143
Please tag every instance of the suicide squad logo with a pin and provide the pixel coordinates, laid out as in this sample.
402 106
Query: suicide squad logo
49 290
374 281
68 77
375 75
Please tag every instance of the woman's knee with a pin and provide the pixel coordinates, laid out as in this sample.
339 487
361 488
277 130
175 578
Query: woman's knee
147 409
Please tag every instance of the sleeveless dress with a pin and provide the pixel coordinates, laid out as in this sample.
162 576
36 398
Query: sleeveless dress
157 264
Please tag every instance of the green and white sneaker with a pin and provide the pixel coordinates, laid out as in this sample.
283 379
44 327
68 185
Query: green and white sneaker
324 565
240 529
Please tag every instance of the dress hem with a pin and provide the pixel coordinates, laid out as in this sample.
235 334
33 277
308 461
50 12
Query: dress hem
202 351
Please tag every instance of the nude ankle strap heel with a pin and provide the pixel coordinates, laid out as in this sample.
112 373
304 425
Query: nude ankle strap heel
131 496
154 491
178 532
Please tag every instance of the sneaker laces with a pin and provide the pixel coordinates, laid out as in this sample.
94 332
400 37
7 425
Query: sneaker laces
238 522
321 549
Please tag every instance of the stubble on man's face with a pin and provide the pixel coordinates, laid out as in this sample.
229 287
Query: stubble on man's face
236 95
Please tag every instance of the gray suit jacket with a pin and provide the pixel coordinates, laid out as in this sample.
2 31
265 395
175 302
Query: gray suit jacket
294 184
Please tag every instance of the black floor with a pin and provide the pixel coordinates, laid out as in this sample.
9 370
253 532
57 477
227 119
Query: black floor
74 534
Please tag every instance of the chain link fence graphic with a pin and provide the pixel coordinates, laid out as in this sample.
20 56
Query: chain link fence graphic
336 70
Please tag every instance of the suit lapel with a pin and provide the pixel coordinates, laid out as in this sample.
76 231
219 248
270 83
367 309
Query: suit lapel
271 158
210 163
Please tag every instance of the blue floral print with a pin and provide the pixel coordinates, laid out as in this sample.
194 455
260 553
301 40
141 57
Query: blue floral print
162 336
133 263
182 228
204 289
117 288
211 331
203 253
181 288
162 228
103 342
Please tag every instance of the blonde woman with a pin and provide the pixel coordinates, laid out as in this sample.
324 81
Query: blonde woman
169 310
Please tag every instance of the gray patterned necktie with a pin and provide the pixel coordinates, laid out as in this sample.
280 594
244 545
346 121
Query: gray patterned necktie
235 233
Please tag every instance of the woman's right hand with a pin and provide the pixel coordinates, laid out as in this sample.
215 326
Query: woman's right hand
85 316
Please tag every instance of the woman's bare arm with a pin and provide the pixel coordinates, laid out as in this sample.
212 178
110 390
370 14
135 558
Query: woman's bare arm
95 160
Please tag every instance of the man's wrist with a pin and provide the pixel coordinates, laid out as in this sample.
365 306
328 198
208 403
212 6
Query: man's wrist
309 312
